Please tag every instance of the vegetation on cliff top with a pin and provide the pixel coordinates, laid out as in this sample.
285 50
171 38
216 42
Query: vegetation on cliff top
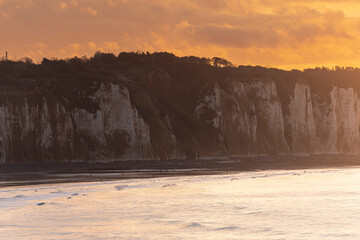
127 60
191 73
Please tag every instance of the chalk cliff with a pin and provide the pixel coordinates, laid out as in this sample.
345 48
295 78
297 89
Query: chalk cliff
161 107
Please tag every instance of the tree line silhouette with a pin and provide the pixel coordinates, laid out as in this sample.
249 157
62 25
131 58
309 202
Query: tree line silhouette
190 70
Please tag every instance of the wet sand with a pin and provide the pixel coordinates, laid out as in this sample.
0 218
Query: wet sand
50 173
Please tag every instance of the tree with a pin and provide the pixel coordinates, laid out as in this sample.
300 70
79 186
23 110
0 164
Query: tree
27 60
104 58
220 62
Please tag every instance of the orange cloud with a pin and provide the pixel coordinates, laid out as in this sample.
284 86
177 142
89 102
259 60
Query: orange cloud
110 47
287 34
90 11
92 46
63 5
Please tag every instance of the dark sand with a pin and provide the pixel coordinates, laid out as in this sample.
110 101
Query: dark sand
48 173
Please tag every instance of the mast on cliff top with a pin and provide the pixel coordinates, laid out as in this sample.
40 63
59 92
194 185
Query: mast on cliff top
6 56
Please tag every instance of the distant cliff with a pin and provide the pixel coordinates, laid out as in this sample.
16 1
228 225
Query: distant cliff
159 106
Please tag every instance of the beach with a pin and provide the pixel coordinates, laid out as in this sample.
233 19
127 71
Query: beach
45 173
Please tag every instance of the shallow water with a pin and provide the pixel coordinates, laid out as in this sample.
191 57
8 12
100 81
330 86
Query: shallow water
315 204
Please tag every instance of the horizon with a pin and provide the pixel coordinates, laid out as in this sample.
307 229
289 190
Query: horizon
291 35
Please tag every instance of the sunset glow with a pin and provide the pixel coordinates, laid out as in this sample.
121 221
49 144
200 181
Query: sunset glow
284 34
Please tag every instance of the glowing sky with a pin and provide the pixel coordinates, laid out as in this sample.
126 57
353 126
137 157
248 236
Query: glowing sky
286 34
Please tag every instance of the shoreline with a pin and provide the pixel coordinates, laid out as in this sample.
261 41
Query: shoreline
53 173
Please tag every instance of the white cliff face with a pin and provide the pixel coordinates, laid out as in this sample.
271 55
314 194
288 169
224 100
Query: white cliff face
27 131
239 121
209 110
5 135
44 130
358 113
116 124
211 102
326 127
270 130
345 103
243 116
301 120
337 123
251 117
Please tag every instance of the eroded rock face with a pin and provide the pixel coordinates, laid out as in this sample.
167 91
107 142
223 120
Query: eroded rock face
251 120
115 130
270 120
42 130
162 113
344 103
35 130
301 120
240 121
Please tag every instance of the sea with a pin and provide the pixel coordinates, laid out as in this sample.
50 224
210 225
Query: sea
282 204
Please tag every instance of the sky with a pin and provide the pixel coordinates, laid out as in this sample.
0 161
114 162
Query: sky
273 33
